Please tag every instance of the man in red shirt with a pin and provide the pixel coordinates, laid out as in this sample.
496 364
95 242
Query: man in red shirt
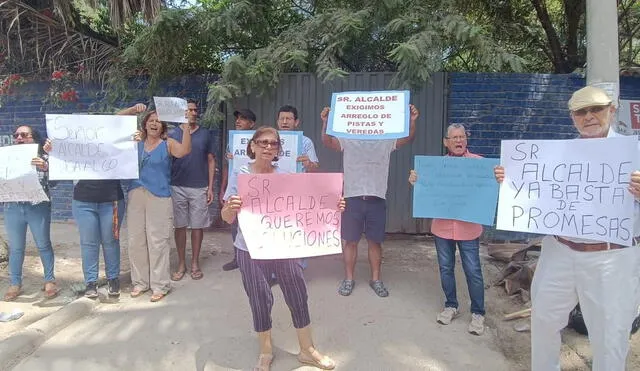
449 233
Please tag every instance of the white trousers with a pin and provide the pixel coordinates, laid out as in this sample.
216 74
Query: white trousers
607 284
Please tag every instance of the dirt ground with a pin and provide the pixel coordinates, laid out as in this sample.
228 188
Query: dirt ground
406 253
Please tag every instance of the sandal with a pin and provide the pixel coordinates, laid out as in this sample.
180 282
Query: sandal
197 274
12 293
137 292
317 360
346 287
379 288
158 296
51 290
177 276
264 362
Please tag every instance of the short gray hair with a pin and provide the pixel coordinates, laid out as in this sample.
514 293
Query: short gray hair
455 126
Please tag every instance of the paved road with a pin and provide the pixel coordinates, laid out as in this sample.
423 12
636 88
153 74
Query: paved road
206 325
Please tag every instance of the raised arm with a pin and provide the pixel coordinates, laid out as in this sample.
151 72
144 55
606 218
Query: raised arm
133 110
180 149
412 127
329 141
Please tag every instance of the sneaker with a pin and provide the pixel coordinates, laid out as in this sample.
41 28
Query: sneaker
447 315
476 326
91 291
230 266
346 287
113 287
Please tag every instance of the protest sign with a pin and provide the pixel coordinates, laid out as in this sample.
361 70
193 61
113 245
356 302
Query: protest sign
92 147
371 115
290 149
171 109
458 188
573 188
287 216
628 117
19 180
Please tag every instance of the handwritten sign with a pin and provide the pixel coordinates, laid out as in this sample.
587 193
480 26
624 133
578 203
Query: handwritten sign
92 147
574 188
457 188
19 180
171 109
369 115
287 216
290 148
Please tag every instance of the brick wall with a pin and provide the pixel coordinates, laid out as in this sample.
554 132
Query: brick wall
517 106
27 108
492 106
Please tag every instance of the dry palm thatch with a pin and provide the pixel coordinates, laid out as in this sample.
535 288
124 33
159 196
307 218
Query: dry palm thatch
35 41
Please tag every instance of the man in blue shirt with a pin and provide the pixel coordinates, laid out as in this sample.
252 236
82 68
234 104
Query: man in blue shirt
192 191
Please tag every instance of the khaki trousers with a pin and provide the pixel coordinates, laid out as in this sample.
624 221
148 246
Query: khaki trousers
149 228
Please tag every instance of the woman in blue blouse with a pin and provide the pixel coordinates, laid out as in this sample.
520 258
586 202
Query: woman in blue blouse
149 207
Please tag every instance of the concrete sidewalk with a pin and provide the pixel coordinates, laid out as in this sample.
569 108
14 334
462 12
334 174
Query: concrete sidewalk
206 325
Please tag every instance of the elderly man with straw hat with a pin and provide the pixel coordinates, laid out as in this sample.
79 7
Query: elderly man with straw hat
603 277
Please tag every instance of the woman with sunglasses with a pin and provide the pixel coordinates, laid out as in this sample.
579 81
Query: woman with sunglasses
149 210
19 215
263 149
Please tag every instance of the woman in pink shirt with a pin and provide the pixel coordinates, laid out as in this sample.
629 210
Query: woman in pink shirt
449 233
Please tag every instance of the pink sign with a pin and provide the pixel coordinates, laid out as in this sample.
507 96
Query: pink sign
287 216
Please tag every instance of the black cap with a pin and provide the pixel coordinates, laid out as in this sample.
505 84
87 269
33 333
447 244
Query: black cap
245 113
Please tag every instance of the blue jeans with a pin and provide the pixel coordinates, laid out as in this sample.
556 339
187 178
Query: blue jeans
95 223
470 256
17 216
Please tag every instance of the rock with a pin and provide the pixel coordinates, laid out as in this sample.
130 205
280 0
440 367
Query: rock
4 250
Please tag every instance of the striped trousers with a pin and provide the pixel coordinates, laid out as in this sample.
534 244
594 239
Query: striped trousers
255 279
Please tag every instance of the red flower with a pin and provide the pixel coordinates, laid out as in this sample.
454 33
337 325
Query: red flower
57 75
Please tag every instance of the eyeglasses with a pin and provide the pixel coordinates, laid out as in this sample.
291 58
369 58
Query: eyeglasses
22 135
456 138
264 143
593 109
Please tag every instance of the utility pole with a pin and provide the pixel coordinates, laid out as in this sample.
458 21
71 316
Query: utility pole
603 65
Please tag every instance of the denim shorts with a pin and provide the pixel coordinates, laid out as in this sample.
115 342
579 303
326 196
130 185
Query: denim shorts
364 214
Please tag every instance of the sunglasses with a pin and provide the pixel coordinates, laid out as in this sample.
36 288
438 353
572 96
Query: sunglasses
264 143
594 110
21 135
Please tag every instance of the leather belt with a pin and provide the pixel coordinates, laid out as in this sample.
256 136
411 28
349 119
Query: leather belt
589 247
365 198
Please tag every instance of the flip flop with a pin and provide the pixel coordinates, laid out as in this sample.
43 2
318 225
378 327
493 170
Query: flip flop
137 292
325 363
51 292
159 296
197 274
177 276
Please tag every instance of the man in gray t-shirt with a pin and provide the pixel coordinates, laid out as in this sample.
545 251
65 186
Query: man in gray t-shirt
366 172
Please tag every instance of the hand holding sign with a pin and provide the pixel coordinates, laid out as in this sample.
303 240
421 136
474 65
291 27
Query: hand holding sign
171 109
634 186
286 216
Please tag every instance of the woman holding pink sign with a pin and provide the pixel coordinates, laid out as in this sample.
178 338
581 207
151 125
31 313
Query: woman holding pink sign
263 149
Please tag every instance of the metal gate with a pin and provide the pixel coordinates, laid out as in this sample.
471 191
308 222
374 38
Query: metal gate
309 95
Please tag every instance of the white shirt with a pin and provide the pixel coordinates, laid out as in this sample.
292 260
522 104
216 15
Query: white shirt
366 166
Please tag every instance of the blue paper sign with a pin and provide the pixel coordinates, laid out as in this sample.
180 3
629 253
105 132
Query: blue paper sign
369 115
458 188
290 149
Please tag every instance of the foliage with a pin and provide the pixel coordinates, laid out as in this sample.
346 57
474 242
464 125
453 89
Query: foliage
62 90
8 86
